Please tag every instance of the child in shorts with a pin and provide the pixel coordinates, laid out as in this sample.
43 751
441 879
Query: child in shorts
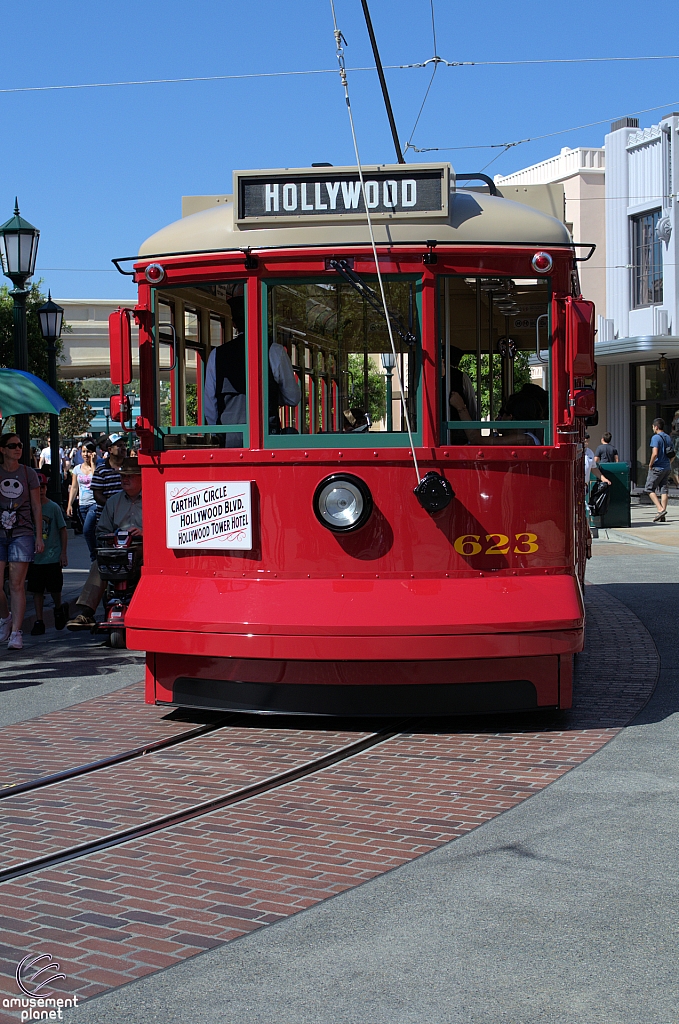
44 572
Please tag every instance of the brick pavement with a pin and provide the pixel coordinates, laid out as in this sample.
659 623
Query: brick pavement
114 916
80 810
82 733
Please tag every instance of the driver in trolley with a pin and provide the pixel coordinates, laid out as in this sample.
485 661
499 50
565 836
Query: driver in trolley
224 396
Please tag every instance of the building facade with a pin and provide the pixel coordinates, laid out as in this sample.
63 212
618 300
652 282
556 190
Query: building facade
637 339
85 345
623 197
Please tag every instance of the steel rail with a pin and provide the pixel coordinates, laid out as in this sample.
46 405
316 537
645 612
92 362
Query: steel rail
216 803
106 762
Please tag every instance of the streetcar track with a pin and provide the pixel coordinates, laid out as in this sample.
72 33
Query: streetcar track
205 807
107 762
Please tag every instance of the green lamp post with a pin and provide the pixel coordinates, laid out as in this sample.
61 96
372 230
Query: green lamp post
51 318
388 364
18 249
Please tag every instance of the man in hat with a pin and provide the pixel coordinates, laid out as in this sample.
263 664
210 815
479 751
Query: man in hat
122 511
106 478
224 394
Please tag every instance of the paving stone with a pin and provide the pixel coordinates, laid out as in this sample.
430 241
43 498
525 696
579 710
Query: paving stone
286 850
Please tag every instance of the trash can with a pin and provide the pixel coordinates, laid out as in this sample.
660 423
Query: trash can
619 510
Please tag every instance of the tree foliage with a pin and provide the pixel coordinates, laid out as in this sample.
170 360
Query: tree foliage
77 418
72 421
37 346
374 383
521 377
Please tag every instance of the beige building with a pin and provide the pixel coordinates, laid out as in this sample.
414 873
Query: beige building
581 172
85 346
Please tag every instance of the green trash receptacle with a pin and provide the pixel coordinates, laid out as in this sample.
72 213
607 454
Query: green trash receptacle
619 509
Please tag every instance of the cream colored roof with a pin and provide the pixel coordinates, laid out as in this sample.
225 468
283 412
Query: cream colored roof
474 217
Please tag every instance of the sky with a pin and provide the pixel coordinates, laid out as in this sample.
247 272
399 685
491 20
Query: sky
99 170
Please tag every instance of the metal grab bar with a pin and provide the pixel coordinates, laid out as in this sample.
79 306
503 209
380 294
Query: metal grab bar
543 316
173 343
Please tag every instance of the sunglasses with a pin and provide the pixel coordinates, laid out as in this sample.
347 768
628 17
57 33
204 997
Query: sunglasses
14 444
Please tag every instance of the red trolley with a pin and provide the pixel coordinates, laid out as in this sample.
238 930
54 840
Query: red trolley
289 565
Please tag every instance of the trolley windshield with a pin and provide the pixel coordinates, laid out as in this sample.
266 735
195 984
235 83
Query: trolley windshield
495 360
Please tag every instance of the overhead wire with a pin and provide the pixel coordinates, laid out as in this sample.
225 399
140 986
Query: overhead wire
431 80
340 41
329 71
537 138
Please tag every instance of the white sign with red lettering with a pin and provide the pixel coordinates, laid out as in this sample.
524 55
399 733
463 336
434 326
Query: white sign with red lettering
204 514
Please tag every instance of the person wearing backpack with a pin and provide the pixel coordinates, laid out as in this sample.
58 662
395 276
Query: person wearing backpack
659 469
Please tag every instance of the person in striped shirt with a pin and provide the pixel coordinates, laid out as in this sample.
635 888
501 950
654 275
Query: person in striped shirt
106 478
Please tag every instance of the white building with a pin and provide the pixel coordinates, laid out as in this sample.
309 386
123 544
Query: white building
637 338
581 172
623 197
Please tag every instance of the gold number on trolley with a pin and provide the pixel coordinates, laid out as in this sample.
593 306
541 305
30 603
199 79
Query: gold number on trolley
468 544
501 546
526 543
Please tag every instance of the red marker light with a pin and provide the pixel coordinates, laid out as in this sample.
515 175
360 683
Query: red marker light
154 273
542 262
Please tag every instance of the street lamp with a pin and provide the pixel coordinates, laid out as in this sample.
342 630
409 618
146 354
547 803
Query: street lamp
51 317
18 249
388 363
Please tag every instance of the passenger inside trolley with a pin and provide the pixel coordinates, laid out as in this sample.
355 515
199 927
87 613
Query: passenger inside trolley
495 359
526 404
225 388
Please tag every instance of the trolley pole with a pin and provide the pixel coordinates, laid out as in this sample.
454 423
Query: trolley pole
383 82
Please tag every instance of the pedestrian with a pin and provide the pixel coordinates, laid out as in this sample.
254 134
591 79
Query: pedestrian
106 479
20 509
591 469
123 511
76 455
662 450
46 456
606 452
81 490
45 571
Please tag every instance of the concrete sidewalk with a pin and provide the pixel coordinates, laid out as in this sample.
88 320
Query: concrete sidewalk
644 532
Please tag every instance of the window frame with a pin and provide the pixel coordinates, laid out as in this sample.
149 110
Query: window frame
370 439
197 430
655 247
448 426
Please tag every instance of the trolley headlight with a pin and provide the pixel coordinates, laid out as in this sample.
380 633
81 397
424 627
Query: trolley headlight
342 502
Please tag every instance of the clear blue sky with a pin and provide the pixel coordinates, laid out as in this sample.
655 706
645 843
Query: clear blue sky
98 170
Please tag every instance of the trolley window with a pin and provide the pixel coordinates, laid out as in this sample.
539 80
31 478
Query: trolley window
331 369
200 349
495 360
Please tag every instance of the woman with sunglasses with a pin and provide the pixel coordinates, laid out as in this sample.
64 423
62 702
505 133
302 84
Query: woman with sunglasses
20 508
81 488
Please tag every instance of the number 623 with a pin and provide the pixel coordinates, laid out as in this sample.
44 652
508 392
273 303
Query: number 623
499 544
